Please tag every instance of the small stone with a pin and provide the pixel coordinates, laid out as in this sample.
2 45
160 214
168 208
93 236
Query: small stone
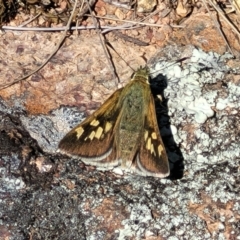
146 5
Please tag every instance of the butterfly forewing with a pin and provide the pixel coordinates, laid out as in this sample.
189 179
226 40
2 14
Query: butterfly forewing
152 158
93 139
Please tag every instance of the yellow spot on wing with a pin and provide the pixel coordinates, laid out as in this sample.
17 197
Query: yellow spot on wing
94 123
99 132
145 135
160 149
108 126
79 132
91 136
148 145
152 150
154 135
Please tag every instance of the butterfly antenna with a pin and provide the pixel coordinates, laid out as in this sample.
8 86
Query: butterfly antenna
110 45
171 64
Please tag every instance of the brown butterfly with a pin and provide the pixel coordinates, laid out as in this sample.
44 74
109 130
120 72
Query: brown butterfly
123 131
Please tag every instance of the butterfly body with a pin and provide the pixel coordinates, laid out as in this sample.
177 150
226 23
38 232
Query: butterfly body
123 131
131 123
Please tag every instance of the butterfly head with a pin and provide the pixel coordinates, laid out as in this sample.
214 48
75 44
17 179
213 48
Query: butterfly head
142 73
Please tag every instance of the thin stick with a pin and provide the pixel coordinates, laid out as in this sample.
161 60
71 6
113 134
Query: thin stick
224 18
235 6
217 26
30 20
39 29
135 23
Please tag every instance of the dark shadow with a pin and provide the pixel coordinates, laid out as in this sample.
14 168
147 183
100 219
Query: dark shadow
9 10
158 84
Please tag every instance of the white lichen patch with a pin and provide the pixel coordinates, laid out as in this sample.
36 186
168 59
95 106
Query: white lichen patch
10 184
185 85
191 103
140 219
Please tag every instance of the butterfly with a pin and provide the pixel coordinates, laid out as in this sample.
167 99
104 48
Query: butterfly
122 132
